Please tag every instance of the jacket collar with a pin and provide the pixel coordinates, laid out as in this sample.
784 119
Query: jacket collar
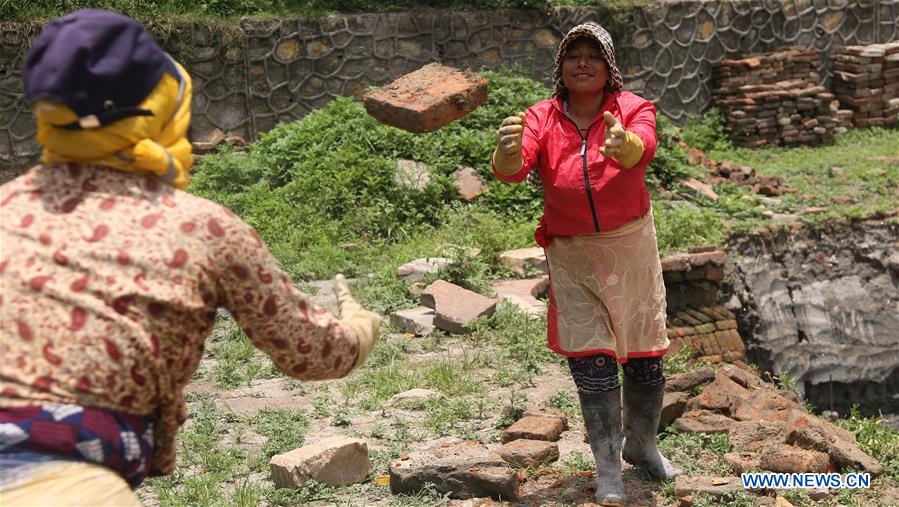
609 103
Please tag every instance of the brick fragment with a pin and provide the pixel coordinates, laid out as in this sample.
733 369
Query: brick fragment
427 99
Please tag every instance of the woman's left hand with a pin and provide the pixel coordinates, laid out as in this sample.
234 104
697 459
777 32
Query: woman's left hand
626 146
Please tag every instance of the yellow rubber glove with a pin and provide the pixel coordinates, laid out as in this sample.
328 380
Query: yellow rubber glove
626 146
363 322
507 155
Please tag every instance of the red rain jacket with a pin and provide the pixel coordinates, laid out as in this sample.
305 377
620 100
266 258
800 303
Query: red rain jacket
571 164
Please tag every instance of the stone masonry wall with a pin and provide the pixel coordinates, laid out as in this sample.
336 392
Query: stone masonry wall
250 76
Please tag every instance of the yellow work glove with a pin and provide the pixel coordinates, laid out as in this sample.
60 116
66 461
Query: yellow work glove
626 146
363 322
507 155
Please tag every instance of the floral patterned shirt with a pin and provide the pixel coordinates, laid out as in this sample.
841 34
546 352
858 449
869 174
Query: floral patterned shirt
109 285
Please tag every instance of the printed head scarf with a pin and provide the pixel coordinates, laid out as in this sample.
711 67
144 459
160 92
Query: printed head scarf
593 31
104 93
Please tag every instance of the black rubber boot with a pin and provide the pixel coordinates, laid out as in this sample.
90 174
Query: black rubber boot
602 417
642 408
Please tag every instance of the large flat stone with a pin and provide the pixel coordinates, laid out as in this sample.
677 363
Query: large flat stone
336 461
427 99
463 470
418 321
522 261
469 183
523 293
412 174
529 453
455 307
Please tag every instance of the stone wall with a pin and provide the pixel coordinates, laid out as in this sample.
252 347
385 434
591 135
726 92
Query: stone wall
250 76
821 305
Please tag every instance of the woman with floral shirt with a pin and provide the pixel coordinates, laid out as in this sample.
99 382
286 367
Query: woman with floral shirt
112 274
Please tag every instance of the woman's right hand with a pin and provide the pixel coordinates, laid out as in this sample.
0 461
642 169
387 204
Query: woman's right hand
507 155
509 134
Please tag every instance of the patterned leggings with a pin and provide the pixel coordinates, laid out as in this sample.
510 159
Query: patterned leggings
599 373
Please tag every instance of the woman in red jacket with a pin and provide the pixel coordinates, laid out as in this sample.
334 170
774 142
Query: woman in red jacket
591 144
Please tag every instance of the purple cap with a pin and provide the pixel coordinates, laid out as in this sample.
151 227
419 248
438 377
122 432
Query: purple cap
100 64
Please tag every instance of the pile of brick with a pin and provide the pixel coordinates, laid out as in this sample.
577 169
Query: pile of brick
775 99
692 283
866 81
711 332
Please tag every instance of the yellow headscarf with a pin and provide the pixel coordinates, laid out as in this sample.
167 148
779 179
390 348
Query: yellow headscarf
154 144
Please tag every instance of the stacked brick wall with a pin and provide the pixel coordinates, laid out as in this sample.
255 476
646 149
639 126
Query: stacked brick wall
693 282
776 98
866 80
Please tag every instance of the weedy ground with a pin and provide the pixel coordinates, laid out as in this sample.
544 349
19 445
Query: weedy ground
321 193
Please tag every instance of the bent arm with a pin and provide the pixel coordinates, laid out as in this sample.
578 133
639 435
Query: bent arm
303 340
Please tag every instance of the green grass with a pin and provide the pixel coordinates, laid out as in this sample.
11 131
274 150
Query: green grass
696 453
853 166
876 439
237 361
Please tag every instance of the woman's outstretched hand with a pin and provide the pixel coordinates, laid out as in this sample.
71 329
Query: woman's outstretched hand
363 322
507 156
626 146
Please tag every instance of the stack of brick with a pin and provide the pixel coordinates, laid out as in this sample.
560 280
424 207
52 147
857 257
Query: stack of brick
711 332
775 99
693 283
866 81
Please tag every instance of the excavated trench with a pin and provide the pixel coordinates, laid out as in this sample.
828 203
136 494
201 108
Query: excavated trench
823 306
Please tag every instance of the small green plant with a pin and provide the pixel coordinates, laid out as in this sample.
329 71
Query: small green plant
285 430
566 402
443 414
577 462
706 131
670 163
696 453
682 362
236 361
876 439
787 382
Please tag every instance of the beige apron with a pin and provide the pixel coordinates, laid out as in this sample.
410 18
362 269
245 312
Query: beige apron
607 294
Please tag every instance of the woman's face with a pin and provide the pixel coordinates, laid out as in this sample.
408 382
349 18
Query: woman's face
584 70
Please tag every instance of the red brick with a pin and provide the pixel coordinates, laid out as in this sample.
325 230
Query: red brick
427 99
726 324
534 428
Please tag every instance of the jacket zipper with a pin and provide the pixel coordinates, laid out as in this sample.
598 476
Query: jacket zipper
586 174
